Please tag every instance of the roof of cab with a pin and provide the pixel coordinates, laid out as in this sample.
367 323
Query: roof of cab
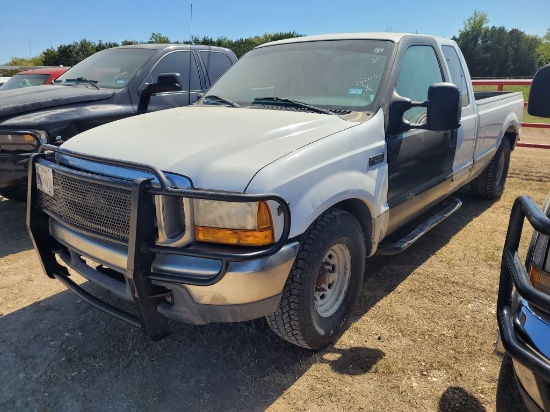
395 37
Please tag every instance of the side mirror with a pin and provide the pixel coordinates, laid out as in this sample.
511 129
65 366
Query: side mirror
539 96
166 82
443 112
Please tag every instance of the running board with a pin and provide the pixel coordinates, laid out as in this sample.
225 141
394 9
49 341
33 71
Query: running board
407 241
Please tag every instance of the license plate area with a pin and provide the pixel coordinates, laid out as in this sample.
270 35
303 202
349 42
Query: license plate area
44 179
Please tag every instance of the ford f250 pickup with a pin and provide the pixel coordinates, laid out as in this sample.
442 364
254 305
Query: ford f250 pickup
266 197
109 85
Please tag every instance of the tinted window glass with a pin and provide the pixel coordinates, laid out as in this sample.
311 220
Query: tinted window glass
216 64
457 73
419 71
178 62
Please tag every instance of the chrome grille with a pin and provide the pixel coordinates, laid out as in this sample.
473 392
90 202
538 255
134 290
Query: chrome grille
92 206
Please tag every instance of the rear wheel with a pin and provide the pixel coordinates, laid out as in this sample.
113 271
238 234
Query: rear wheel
490 183
324 283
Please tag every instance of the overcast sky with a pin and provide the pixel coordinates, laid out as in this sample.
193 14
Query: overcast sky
31 26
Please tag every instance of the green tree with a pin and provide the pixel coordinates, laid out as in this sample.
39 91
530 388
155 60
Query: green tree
524 52
49 57
543 50
158 38
107 45
130 42
470 41
496 51
22 61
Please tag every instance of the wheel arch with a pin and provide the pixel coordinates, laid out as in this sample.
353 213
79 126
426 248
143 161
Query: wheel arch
363 214
512 135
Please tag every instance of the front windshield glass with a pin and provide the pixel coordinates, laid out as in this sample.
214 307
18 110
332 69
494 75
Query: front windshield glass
333 75
25 80
111 68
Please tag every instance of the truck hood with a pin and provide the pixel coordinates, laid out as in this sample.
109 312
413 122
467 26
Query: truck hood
28 99
216 147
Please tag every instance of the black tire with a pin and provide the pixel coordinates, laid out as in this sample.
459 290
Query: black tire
298 318
490 183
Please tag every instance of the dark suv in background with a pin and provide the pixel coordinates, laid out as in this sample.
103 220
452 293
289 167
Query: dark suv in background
110 85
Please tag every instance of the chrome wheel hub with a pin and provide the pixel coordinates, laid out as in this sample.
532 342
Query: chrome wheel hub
332 280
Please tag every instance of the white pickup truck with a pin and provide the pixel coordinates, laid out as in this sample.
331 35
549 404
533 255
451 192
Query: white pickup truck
266 197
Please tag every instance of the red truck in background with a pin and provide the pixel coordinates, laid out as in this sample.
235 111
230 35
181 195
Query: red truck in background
34 77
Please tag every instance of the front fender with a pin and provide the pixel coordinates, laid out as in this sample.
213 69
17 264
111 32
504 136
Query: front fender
329 171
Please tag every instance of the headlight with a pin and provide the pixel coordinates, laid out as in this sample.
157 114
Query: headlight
233 223
24 141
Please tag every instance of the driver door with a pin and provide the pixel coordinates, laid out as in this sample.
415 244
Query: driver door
418 159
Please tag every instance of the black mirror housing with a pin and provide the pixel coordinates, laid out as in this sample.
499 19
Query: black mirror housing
166 82
398 106
444 110
444 107
539 95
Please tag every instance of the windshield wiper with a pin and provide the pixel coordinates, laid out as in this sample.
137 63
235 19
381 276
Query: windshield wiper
220 100
281 101
79 80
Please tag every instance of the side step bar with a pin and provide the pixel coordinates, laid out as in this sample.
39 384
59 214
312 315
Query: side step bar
404 243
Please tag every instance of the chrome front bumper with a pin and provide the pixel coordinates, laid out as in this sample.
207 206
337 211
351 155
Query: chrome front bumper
244 282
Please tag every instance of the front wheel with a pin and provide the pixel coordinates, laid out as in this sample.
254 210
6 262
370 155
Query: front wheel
490 183
324 283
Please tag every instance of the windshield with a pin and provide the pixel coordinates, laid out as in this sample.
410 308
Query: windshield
334 75
111 68
25 80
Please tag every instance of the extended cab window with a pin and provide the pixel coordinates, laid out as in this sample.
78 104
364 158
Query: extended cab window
216 64
420 69
457 73
178 62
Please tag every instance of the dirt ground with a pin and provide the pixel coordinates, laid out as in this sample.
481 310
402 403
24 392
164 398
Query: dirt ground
421 338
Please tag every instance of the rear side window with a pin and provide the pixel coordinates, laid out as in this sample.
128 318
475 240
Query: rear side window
419 71
216 64
178 62
457 73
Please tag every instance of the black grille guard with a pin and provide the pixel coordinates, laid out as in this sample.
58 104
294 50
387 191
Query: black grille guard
513 273
141 245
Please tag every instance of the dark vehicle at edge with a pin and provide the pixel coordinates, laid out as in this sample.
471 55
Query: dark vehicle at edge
523 308
110 85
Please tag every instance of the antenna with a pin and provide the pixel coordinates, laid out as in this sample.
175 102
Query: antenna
190 55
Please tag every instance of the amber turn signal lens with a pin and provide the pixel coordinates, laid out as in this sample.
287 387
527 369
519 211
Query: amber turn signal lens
234 236
264 216
540 280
